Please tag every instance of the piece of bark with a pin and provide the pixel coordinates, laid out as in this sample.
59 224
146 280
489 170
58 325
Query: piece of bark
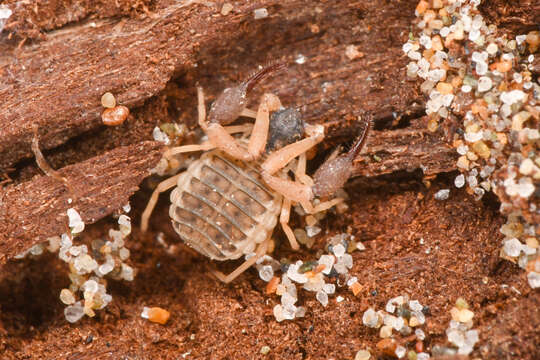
58 82
135 57
406 149
35 210
514 17
34 19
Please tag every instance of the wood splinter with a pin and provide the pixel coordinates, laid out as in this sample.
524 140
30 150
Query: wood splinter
44 165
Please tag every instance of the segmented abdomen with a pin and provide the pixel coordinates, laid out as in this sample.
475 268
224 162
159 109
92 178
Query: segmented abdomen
222 208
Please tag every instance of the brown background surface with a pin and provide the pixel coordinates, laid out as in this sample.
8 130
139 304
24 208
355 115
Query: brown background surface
57 58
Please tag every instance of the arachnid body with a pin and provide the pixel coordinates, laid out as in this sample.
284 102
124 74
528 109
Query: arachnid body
227 203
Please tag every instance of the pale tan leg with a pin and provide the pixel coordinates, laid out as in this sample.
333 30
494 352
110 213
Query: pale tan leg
201 108
259 135
310 209
292 190
244 128
249 113
162 187
280 158
300 172
261 250
284 221
222 139
299 191
205 146
296 191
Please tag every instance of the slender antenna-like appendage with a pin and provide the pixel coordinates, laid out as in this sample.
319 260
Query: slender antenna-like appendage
360 141
258 75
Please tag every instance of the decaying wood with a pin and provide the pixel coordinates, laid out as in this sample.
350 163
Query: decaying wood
513 16
407 149
57 80
57 83
35 210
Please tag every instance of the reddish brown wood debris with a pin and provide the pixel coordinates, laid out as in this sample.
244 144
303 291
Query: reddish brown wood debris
58 57
35 210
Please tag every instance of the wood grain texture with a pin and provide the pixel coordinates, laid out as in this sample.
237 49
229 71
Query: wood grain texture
35 210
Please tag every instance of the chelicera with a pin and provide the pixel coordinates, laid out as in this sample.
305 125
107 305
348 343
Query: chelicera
227 203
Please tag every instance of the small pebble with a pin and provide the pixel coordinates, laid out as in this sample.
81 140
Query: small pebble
492 49
311 220
371 319
67 297
272 285
387 346
300 312
74 313
328 262
463 315
390 307
413 321
533 278
157 315
260 13
115 116
338 250
461 303
108 100
5 14
352 52
160 136
526 167
311 231
294 275
419 334
265 349
329 288
484 84
512 247
411 355
356 288
386 331
362 355
278 313
75 222
322 297
400 351
300 59
466 89
266 273
415 305
442 194
226 9
459 181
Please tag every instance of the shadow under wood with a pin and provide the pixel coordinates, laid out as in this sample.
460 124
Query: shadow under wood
29 291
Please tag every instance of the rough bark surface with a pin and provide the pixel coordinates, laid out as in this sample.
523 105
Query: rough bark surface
406 149
58 57
35 210
57 82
